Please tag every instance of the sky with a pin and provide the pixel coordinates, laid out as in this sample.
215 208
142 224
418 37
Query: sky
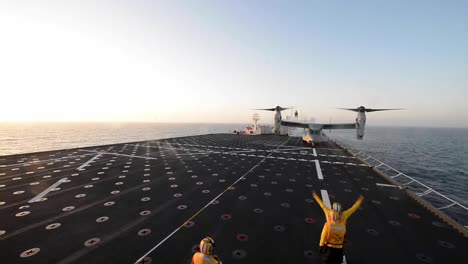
214 61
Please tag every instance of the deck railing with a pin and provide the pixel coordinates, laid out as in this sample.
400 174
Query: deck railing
447 205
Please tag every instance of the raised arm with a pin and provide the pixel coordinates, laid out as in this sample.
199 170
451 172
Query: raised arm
353 208
319 201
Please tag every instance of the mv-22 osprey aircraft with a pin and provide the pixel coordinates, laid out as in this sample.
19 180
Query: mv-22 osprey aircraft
313 131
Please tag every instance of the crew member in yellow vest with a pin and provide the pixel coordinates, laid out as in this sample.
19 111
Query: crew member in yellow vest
206 254
334 230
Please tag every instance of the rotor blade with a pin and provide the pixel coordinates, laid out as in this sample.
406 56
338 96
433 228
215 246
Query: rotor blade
267 109
350 109
282 108
375 110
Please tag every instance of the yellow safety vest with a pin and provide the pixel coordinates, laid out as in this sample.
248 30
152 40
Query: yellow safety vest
336 231
200 258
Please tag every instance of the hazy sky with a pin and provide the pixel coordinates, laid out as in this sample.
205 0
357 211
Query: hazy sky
212 61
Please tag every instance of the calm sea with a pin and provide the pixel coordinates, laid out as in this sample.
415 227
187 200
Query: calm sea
435 156
32 137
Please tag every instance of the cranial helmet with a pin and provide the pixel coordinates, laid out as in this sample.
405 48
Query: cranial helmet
336 207
206 246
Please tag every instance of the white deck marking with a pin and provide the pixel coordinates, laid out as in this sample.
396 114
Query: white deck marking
46 191
204 207
385 185
315 152
39 161
288 149
124 147
326 201
118 154
281 147
325 198
89 161
194 153
319 171
240 151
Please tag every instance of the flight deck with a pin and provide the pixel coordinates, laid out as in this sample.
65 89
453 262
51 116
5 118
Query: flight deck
153 201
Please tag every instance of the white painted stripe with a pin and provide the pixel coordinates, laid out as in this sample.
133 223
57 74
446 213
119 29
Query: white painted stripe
344 260
204 207
325 198
315 152
239 151
319 171
385 185
89 161
289 149
46 191
125 155
40 161
184 154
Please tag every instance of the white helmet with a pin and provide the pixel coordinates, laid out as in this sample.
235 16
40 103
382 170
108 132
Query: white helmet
337 207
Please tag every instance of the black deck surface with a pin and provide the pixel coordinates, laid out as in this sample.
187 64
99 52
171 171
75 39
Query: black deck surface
252 194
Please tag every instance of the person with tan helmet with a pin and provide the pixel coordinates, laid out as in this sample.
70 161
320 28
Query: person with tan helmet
334 230
206 254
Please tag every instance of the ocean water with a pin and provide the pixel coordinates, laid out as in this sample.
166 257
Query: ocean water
438 157
33 137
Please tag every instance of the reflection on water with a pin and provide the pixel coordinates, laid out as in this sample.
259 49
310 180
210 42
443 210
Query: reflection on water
32 137
436 156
